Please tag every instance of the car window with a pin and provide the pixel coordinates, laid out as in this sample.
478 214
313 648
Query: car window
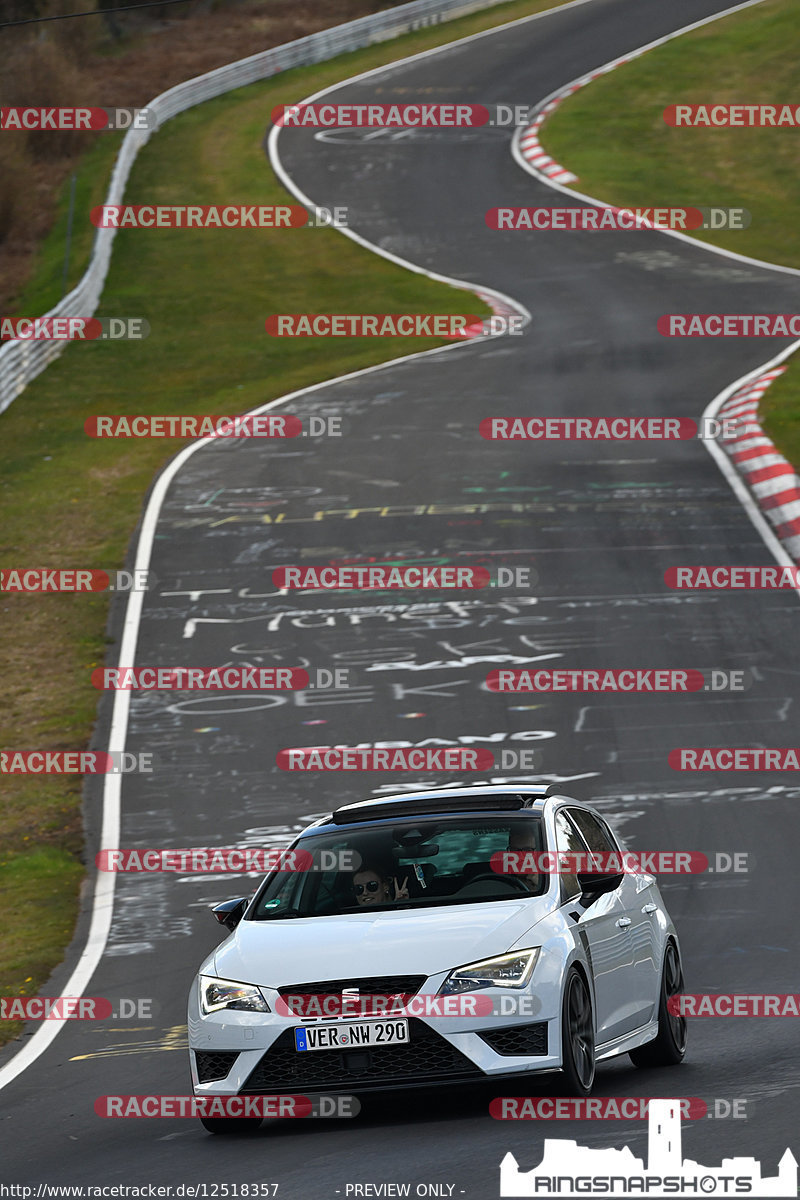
411 862
596 835
568 840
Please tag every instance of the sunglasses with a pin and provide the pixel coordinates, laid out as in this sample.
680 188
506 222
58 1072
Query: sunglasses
372 886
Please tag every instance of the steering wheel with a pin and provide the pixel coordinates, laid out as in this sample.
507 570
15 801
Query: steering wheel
513 881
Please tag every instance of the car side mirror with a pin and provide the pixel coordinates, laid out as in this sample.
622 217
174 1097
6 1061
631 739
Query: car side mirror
596 883
230 912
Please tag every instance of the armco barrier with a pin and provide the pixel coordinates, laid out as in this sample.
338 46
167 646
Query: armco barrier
21 361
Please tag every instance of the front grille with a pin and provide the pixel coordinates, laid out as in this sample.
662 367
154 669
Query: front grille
214 1064
524 1041
379 985
425 1058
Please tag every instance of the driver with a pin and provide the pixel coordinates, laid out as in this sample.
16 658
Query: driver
372 887
523 841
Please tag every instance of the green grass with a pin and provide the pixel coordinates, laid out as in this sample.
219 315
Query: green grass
39 896
611 134
69 500
779 410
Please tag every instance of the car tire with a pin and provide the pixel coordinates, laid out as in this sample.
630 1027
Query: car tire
668 1047
231 1124
577 1036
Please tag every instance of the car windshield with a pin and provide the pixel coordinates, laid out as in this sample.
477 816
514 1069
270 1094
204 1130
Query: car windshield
411 863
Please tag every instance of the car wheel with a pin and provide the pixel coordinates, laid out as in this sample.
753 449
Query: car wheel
669 1045
230 1124
577 1036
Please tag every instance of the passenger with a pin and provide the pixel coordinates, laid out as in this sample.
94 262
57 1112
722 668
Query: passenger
372 887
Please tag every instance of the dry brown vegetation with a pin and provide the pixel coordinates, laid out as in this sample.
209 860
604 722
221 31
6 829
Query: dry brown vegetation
114 59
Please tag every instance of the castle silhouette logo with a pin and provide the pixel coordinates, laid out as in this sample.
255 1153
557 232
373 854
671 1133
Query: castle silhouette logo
568 1169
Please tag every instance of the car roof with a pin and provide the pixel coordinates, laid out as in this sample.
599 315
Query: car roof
446 801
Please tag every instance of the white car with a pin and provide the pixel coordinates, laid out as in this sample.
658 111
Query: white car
491 973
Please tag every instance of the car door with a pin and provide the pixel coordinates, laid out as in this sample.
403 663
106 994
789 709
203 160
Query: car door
638 899
603 928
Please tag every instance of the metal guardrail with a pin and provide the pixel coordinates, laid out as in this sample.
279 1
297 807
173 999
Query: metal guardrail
22 360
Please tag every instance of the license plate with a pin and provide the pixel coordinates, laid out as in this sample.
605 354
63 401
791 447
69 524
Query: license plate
345 1037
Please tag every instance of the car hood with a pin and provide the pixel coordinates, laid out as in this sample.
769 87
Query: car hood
275 953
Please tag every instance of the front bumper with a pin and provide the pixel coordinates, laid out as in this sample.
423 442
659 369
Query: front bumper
258 1049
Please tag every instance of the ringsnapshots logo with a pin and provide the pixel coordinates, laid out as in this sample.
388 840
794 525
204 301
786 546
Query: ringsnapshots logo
570 1170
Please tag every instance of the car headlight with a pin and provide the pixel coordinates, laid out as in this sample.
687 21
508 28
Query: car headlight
508 971
216 994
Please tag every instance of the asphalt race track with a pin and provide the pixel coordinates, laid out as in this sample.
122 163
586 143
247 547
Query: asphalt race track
598 523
